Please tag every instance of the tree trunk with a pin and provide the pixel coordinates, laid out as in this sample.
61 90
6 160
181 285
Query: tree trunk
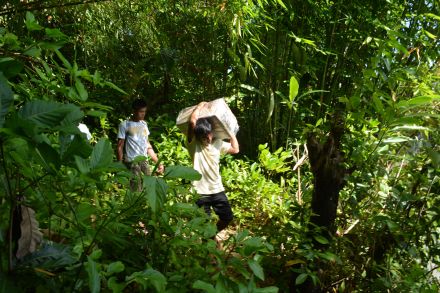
326 160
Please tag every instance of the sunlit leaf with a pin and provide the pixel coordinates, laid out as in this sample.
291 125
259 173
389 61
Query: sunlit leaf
271 105
182 172
293 89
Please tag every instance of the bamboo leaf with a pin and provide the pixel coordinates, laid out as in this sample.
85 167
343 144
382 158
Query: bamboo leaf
396 139
31 236
432 15
282 4
271 105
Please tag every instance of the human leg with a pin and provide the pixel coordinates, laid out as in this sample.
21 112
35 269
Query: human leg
222 208
204 201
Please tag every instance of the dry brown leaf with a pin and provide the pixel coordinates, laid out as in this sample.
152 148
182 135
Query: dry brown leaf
30 234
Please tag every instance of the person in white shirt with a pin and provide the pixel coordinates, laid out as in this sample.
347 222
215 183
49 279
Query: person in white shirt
205 151
133 142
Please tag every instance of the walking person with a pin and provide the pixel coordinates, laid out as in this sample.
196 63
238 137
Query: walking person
133 142
205 151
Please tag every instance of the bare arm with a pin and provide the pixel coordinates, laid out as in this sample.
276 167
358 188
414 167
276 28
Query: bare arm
151 153
235 148
153 156
120 149
193 119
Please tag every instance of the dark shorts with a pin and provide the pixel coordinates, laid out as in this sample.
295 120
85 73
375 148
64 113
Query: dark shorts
219 202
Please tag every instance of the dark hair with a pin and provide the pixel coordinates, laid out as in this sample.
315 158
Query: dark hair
138 104
202 129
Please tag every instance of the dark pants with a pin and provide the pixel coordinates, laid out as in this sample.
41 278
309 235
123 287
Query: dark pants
219 202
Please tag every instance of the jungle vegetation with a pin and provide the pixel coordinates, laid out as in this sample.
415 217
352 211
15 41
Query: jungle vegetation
336 188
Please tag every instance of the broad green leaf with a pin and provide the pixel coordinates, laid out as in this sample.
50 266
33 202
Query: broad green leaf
418 101
256 269
47 114
6 98
92 269
378 104
84 211
149 277
329 256
31 23
301 279
115 267
116 287
83 165
33 51
49 156
155 189
199 284
10 67
102 154
182 172
96 254
293 89
76 147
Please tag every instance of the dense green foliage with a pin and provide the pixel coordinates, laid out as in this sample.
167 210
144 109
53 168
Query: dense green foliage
292 72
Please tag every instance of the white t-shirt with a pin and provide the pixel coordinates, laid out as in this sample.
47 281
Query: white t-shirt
206 161
84 129
136 138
